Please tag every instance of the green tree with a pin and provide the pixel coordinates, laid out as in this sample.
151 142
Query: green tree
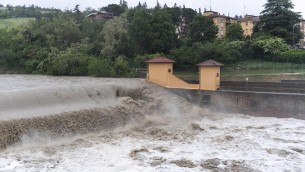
198 52
140 30
115 33
163 33
181 18
117 10
220 51
154 32
121 67
72 61
187 17
234 32
202 29
272 45
278 19
175 14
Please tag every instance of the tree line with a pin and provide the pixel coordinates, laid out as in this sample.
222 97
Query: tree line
70 43
32 11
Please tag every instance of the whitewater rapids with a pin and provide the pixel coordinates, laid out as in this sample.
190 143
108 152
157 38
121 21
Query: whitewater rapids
104 124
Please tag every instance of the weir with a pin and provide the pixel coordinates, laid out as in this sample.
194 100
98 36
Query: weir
285 99
262 104
59 107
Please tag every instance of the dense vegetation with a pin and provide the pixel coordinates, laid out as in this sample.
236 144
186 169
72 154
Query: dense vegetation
69 43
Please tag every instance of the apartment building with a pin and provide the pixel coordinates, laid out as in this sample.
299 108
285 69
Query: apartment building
221 21
248 23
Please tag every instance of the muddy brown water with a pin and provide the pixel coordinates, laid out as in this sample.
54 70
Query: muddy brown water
75 122
56 107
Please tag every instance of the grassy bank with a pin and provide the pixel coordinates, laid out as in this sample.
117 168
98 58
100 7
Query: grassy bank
255 70
14 22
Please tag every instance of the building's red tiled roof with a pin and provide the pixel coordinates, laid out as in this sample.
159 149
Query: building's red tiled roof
218 15
210 63
160 60
249 18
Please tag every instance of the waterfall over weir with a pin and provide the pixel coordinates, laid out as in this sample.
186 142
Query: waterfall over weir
57 107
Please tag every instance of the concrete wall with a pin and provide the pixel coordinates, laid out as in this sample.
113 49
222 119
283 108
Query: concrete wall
251 103
208 78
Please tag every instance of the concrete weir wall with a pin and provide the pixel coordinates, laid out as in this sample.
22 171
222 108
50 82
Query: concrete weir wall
282 105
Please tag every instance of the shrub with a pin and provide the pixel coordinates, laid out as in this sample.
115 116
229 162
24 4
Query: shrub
272 45
65 63
121 67
100 68
11 58
31 65
294 56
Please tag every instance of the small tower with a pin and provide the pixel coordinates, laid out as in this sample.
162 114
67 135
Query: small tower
159 70
209 75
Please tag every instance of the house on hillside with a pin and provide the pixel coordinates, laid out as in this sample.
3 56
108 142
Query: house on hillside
221 21
101 15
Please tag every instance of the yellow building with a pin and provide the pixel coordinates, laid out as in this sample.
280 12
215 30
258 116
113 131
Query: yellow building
160 71
248 23
209 75
221 21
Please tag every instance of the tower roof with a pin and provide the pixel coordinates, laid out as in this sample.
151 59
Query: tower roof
210 63
160 60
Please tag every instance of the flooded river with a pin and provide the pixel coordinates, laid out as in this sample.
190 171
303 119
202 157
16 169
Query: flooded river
104 124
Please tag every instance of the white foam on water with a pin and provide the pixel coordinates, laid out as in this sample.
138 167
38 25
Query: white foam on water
254 146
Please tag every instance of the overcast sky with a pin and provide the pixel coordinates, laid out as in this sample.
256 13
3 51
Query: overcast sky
228 7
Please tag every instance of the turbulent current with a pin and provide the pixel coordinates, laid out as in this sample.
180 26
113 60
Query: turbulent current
104 124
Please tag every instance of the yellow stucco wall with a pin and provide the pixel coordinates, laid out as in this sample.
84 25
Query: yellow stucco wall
175 82
208 78
222 24
162 74
247 27
158 73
